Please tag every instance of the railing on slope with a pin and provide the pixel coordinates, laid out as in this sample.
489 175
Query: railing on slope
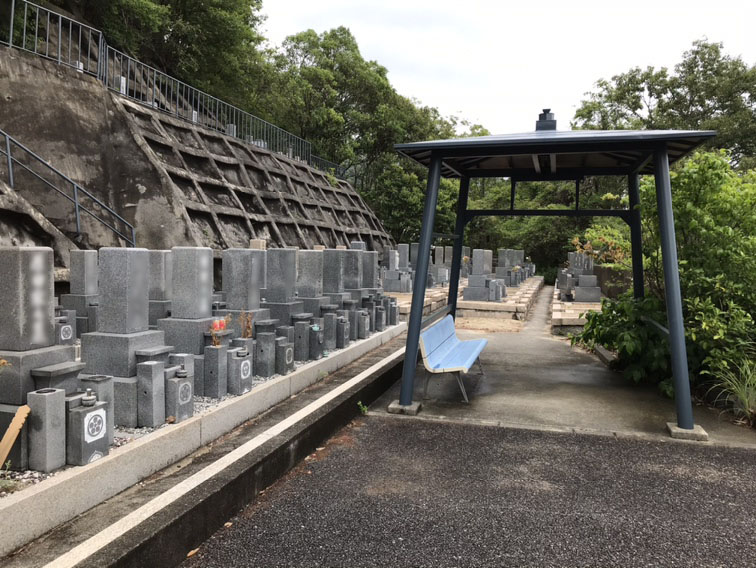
17 161
48 34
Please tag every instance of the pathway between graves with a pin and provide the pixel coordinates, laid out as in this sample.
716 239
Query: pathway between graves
538 380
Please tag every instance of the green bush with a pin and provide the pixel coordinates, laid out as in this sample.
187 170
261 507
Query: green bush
715 222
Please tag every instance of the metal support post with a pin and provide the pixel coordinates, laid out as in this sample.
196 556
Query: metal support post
512 190
10 160
672 289
13 15
635 234
421 277
459 231
76 208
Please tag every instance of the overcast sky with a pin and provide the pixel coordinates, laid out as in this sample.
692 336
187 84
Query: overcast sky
498 63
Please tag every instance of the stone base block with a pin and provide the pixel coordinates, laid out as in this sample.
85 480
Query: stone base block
313 305
158 309
338 298
475 294
697 434
16 380
587 294
282 311
412 409
78 302
115 353
186 335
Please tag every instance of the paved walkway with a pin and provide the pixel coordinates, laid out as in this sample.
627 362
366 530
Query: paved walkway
537 380
458 486
403 492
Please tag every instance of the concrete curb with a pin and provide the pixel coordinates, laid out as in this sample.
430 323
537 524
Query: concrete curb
37 510
167 534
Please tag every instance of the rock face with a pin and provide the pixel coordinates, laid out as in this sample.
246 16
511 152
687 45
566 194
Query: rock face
177 183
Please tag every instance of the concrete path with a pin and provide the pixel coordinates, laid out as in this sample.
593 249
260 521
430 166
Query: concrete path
537 380
393 491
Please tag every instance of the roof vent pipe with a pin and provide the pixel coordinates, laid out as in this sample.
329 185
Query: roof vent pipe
546 120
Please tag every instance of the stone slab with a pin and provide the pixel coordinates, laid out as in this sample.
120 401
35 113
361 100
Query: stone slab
115 353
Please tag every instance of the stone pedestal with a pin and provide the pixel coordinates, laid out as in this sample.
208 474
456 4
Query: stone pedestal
150 394
265 359
47 429
216 371
86 433
240 370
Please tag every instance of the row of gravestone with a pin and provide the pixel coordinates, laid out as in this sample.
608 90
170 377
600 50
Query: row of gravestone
577 282
398 271
154 334
486 285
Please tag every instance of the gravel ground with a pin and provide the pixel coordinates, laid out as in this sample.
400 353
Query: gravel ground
399 492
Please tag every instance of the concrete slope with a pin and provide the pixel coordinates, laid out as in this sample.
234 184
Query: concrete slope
179 184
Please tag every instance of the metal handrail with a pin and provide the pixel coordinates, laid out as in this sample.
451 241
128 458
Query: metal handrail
84 48
53 36
126 232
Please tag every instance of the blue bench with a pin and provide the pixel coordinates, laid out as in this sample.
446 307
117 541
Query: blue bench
444 352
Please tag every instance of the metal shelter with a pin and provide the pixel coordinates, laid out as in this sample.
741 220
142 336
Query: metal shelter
551 155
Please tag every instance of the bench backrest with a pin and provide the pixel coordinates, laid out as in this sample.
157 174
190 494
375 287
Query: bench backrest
438 340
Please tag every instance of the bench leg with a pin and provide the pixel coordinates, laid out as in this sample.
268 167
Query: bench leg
480 366
427 380
462 386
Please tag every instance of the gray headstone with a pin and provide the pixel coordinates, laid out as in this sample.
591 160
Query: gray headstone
392 260
414 248
124 303
192 282
357 245
369 269
482 261
404 260
26 297
352 269
309 273
281 275
243 278
160 275
84 272
333 271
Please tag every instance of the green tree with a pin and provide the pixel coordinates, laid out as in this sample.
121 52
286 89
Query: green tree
707 90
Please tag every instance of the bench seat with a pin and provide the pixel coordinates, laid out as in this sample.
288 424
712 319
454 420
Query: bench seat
444 352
